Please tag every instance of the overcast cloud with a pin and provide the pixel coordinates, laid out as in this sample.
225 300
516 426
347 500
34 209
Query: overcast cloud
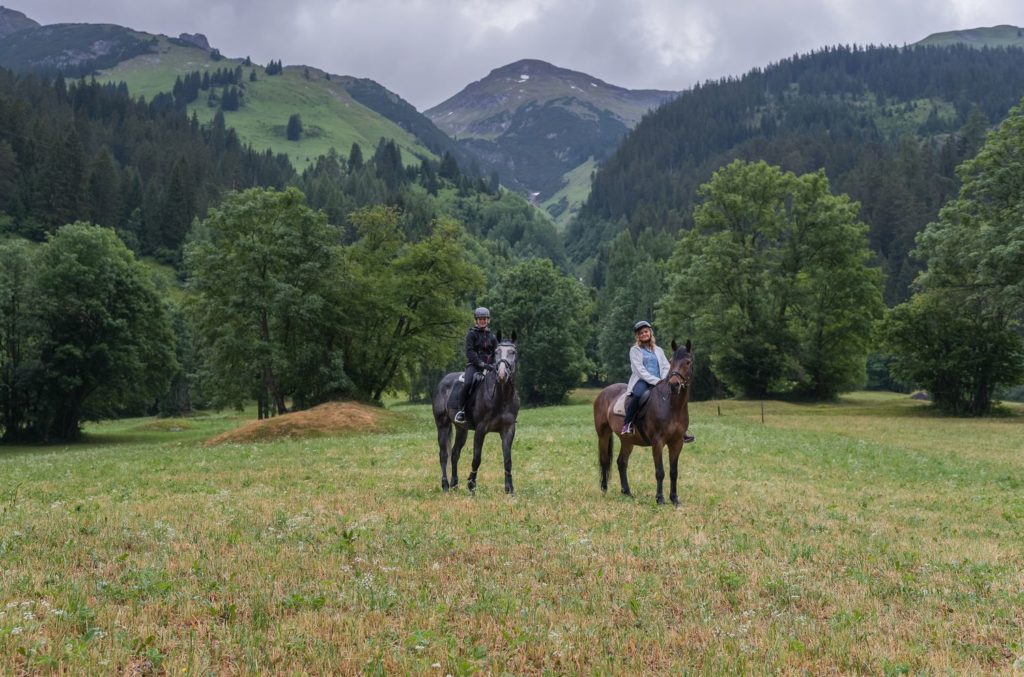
427 50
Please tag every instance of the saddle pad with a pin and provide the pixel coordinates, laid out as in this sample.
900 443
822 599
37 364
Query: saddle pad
619 407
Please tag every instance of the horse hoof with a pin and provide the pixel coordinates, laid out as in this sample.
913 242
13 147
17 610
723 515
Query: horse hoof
444 485
661 500
627 492
510 490
675 501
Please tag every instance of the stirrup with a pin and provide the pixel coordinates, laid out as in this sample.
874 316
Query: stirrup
627 429
460 416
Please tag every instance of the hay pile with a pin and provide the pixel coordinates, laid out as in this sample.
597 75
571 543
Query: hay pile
326 419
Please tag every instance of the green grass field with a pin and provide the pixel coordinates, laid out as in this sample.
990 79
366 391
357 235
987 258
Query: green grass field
869 536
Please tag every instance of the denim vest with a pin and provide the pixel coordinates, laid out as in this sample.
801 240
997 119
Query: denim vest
651 362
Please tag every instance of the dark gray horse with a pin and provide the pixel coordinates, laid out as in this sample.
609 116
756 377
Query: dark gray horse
494 408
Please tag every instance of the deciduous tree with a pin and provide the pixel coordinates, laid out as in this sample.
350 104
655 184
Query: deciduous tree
773 280
550 313
267 280
106 344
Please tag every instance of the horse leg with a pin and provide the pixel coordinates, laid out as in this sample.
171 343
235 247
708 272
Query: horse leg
605 446
625 449
444 431
460 441
478 447
673 469
507 436
659 471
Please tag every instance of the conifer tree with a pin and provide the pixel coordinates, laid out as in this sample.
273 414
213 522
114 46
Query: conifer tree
294 129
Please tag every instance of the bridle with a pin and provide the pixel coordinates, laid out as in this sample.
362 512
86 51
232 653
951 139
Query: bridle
510 366
684 379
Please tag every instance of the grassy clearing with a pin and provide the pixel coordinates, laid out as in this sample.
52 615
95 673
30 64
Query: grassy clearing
573 194
865 537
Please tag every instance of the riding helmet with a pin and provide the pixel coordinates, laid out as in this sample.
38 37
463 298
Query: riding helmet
481 312
642 324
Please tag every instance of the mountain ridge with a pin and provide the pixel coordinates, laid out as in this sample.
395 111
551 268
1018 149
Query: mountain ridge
1003 35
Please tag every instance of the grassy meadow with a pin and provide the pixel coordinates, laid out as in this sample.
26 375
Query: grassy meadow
867 536
331 118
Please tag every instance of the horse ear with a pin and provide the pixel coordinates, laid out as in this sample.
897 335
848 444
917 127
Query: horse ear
674 345
499 336
513 336
689 346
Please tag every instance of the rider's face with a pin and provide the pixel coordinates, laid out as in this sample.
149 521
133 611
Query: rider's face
482 322
644 335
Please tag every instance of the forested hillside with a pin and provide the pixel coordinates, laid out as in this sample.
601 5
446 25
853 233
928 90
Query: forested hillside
85 151
888 125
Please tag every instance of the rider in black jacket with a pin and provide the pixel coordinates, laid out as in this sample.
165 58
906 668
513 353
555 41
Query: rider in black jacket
480 346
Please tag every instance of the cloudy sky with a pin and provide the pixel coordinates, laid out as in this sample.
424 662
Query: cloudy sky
427 50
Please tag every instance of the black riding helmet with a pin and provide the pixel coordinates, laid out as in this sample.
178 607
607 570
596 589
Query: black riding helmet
642 324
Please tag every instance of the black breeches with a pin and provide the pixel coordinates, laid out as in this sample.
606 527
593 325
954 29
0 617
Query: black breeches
469 386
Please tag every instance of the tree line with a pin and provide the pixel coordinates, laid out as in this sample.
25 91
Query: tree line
356 278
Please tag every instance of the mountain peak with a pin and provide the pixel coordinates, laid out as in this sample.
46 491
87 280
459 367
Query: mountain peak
12 21
544 126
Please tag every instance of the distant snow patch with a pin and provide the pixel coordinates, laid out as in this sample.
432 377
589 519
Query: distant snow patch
524 77
593 84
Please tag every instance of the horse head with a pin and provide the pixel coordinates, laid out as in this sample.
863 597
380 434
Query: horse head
505 358
681 368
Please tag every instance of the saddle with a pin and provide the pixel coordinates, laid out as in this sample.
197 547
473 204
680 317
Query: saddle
455 394
619 407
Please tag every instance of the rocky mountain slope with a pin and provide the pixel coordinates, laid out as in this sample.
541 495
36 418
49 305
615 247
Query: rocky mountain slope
540 124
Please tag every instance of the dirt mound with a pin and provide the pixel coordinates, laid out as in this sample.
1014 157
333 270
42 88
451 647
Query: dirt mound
326 419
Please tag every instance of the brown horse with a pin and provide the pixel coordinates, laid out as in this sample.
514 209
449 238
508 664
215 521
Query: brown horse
663 424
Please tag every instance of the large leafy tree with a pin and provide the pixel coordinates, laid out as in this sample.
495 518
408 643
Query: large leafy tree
550 313
105 342
267 281
773 280
974 280
409 298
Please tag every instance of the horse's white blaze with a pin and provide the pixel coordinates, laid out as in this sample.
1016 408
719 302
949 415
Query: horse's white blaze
502 371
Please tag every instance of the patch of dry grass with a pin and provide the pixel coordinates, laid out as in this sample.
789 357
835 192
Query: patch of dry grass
331 418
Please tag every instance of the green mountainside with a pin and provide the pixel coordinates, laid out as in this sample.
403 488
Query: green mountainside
994 36
336 111
331 117
543 126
